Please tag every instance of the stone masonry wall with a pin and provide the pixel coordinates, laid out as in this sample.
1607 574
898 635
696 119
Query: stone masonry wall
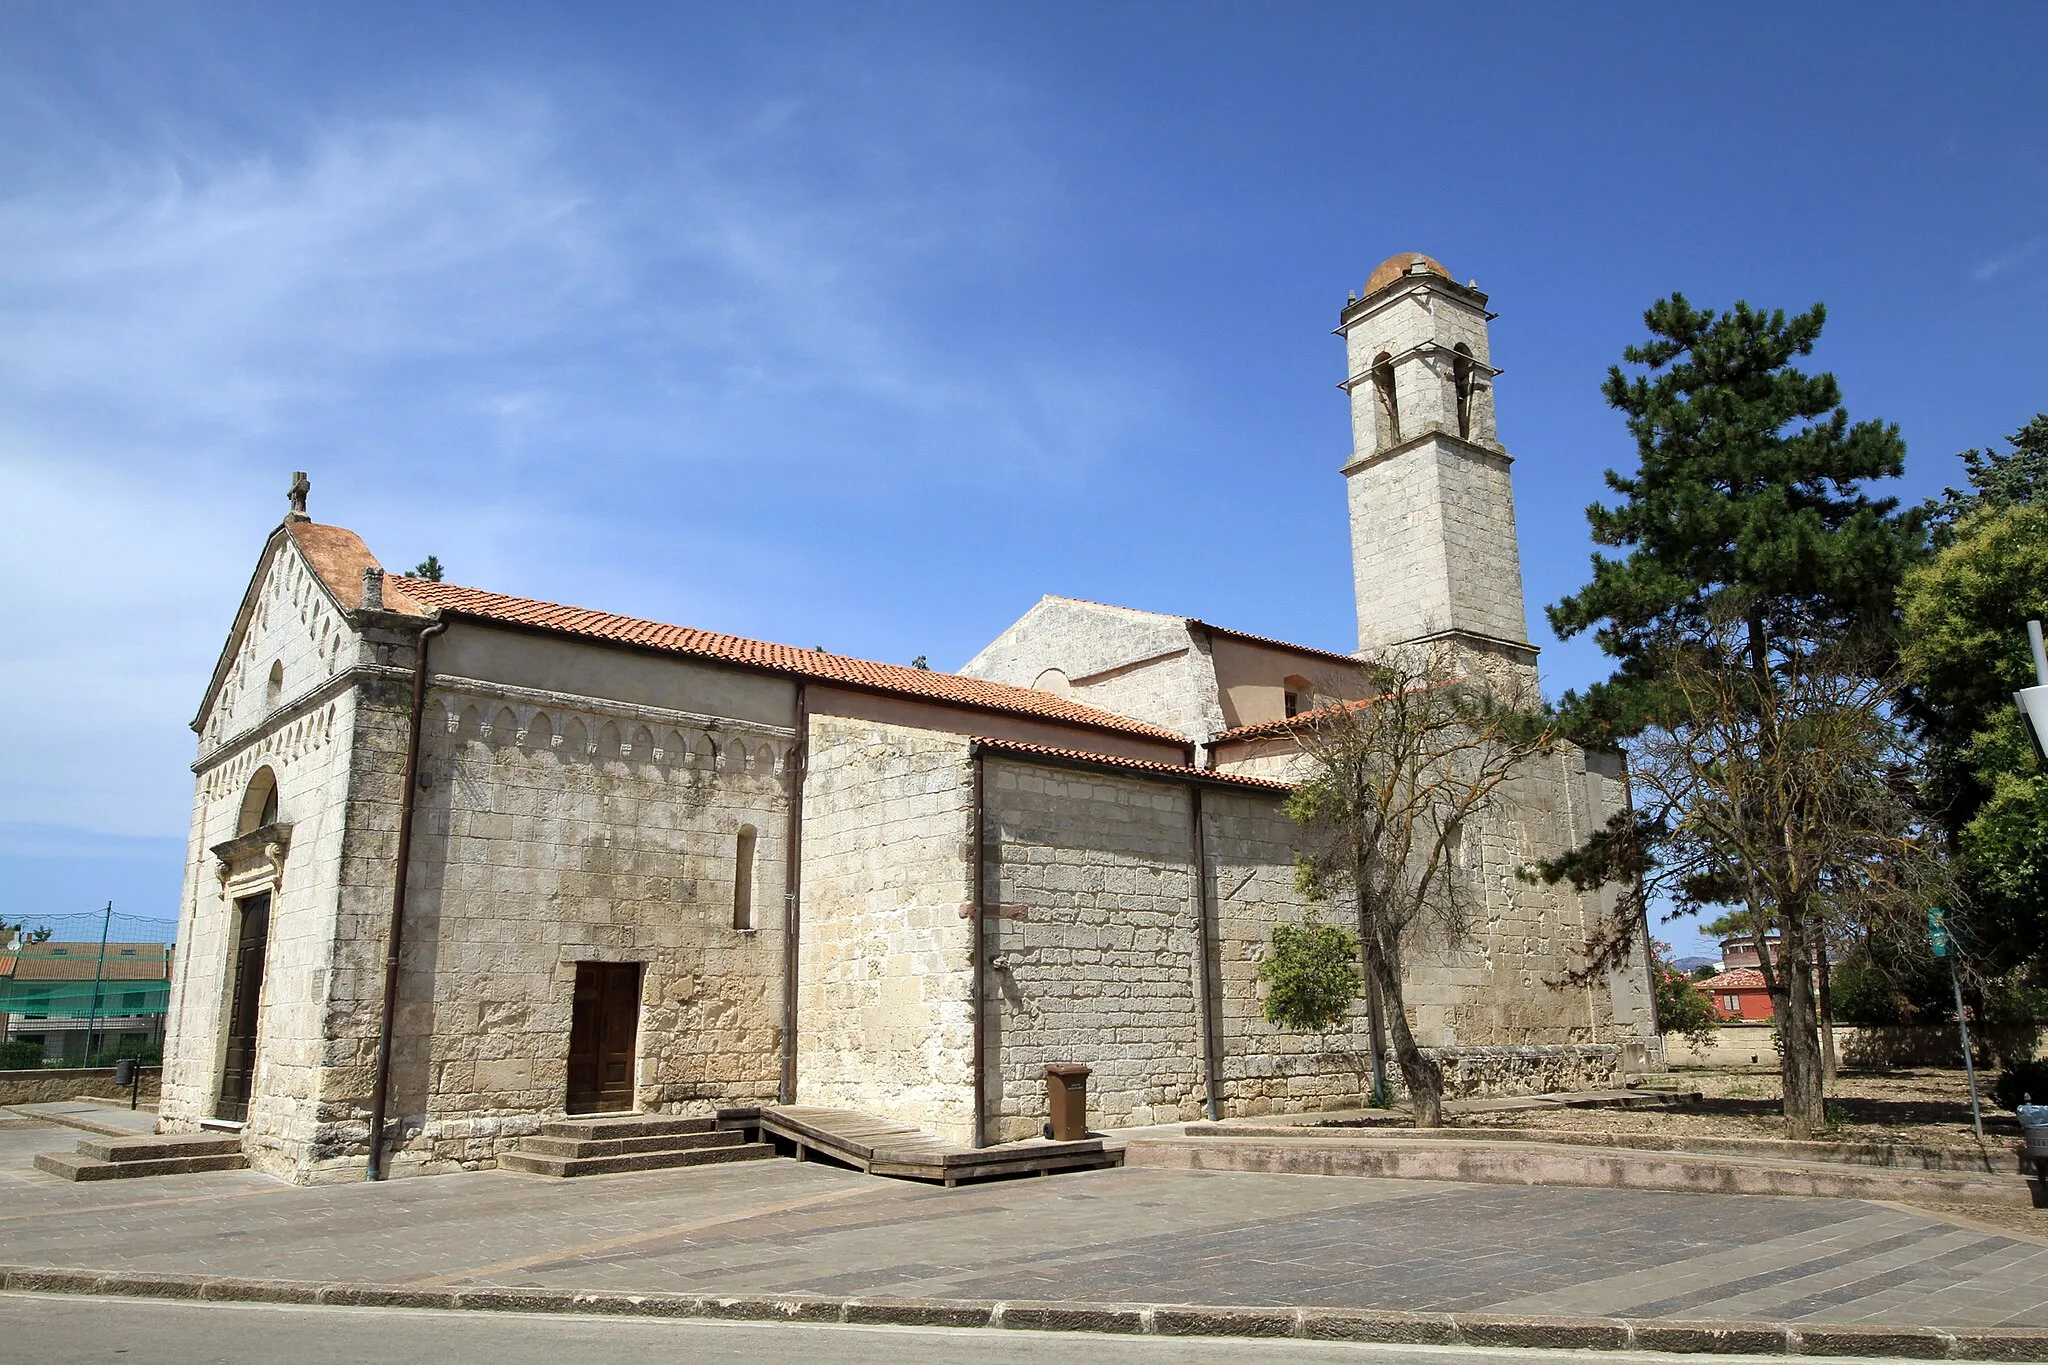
1091 933
53 1085
554 830
302 736
1133 663
884 1015
1265 1069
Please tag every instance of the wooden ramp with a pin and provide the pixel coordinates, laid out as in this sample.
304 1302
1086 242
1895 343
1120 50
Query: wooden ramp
882 1147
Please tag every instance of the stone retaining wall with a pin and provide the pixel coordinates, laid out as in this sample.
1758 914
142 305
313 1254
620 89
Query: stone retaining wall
1478 1072
1878 1049
52 1085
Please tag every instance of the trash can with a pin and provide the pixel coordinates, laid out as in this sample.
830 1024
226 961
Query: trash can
2034 1128
124 1071
1066 1094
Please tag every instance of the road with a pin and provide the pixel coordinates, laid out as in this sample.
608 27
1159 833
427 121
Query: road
62 1330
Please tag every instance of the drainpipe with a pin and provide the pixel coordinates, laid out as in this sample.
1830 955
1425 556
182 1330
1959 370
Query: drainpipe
978 953
1202 984
380 1094
792 891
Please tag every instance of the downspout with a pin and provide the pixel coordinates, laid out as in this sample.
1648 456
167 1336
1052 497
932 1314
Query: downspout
977 955
1628 803
380 1093
1202 983
792 891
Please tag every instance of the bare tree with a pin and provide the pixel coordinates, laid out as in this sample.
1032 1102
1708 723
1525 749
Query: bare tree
1397 785
1786 798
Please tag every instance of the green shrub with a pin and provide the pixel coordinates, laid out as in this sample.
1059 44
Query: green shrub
1683 1009
20 1056
2019 1079
149 1054
1311 975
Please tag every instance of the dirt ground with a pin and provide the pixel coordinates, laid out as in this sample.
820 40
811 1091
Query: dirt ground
1926 1107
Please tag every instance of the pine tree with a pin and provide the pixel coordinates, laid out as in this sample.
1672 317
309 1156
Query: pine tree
1752 549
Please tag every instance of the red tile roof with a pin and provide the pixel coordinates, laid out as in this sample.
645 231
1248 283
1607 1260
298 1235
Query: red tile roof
924 684
1267 728
339 556
1734 979
81 962
1177 771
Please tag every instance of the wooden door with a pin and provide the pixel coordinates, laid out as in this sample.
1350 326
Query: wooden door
238 1072
602 1029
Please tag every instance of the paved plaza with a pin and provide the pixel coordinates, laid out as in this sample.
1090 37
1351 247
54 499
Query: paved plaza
1130 1235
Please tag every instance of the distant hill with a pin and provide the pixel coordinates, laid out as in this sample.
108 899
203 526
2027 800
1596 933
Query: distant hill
1693 964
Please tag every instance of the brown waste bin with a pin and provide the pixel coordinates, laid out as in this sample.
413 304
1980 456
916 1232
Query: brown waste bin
1066 1094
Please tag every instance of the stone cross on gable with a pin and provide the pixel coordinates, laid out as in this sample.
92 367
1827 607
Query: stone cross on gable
296 495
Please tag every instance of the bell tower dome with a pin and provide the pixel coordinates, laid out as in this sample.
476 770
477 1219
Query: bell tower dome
1433 549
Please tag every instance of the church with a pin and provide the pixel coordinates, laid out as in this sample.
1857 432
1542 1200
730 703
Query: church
468 863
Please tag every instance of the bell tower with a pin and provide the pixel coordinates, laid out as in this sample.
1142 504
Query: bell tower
1433 550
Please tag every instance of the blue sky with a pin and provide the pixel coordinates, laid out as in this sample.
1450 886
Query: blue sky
865 325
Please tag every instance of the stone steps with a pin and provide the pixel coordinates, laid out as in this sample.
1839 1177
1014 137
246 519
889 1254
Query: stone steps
627 1126
608 1146
104 1158
546 1145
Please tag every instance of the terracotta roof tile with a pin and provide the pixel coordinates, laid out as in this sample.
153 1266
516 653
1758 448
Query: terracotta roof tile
339 556
1734 979
1178 771
81 962
1265 729
924 684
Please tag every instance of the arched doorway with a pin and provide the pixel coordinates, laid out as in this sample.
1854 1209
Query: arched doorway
249 944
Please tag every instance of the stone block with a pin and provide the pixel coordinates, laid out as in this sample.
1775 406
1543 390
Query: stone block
920 1312
1542 1332
1386 1326
1906 1343
1121 1319
1225 1322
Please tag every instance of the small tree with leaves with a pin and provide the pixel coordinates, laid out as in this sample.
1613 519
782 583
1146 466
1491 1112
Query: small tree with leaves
1965 652
1398 788
1682 1008
429 569
1310 971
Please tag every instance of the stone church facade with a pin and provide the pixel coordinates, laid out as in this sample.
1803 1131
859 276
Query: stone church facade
640 866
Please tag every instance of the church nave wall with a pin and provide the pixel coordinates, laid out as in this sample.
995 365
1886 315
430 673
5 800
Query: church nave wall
551 830
884 1019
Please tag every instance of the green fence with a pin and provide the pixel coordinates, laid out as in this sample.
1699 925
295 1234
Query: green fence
73 981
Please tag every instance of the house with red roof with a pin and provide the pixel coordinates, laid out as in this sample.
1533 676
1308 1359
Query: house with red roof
1739 995
463 863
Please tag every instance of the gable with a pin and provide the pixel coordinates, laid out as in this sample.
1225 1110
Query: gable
291 634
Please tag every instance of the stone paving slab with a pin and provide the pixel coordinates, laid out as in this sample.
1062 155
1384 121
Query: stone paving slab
87 1116
1147 1236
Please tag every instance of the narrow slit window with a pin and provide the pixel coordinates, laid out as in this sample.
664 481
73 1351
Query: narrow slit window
1461 378
273 691
1390 409
743 879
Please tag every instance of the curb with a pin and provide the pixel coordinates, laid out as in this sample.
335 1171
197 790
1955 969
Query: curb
1387 1327
1570 1165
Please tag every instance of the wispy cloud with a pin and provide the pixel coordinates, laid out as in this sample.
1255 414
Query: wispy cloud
1998 265
497 330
